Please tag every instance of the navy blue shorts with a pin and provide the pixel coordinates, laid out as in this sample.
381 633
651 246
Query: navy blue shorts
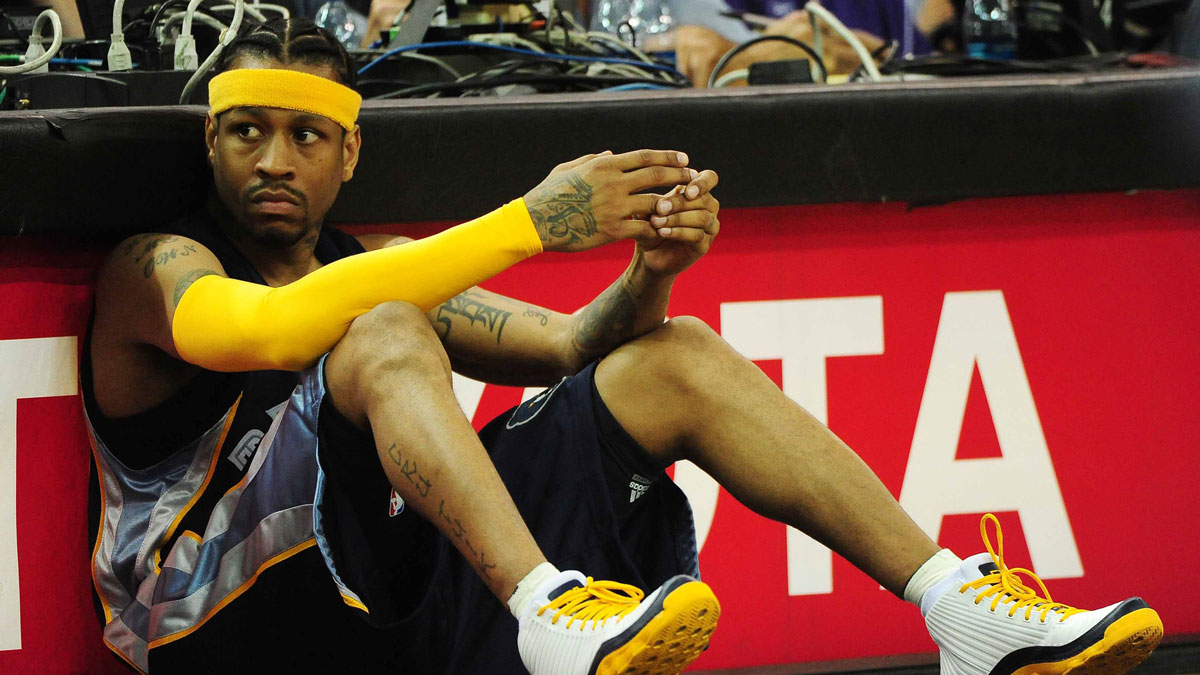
591 496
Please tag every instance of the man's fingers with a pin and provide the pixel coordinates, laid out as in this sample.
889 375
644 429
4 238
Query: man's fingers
687 234
567 166
638 159
657 176
704 221
639 230
646 205
701 183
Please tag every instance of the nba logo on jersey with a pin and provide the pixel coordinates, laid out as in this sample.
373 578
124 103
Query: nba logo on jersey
395 504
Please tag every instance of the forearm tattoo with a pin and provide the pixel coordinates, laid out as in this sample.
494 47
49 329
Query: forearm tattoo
471 306
453 527
538 314
607 321
562 212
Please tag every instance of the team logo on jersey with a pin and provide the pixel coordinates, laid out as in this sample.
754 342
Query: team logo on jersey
244 451
530 409
638 487
395 504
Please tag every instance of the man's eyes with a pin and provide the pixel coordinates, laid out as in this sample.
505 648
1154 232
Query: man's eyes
251 132
247 131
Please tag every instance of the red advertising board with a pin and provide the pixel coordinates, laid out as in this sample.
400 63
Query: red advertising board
1031 357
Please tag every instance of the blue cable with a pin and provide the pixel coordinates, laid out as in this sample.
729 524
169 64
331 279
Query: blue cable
514 50
634 86
95 63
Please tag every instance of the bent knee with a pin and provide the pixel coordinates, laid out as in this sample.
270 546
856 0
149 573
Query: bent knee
394 339
688 330
389 330
668 355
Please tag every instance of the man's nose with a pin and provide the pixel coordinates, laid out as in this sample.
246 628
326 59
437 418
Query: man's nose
276 158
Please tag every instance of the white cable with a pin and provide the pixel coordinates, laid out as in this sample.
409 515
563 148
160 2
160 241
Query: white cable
621 69
185 45
732 76
250 9
37 59
118 19
283 11
118 52
445 67
193 5
838 27
206 19
505 39
186 57
227 37
818 41
620 44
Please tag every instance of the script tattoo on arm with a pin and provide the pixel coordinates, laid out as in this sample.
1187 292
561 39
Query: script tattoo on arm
453 527
471 306
186 281
538 314
151 251
607 321
562 212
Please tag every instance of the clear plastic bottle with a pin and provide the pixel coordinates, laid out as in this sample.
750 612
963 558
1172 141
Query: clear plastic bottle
347 25
633 20
990 29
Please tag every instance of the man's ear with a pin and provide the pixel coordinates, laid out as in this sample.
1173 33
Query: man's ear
210 136
351 143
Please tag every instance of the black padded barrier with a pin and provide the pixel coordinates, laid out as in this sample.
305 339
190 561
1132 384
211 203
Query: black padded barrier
103 172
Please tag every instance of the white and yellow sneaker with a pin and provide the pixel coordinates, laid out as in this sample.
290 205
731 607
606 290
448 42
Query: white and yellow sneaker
575 625
987 621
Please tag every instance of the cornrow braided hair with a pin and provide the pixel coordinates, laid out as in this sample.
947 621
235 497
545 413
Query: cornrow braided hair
288 41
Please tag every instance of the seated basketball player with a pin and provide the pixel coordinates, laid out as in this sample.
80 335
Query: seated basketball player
280 454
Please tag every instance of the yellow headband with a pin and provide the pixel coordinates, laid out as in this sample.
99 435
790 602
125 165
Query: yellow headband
287 89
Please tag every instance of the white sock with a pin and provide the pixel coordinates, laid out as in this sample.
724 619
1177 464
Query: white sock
526 587
941 565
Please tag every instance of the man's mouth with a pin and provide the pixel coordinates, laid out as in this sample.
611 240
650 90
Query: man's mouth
273 202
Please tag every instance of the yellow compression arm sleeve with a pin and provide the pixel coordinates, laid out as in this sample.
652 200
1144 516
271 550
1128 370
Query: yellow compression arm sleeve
229 325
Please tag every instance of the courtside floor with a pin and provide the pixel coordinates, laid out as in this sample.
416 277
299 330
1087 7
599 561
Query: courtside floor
1177 655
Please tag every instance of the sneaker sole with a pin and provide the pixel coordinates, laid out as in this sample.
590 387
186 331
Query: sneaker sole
1126 643
672 639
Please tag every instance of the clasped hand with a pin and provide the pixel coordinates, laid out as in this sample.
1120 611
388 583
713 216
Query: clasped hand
600 198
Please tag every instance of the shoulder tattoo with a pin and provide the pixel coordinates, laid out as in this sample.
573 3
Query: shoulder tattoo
187 280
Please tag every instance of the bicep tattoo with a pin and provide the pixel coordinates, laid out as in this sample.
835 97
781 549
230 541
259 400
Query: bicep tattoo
155 250
186 282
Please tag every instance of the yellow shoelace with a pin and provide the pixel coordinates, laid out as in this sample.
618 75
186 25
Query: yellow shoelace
1008 586
597 601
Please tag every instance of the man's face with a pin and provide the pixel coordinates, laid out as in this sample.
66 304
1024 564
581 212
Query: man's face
279 171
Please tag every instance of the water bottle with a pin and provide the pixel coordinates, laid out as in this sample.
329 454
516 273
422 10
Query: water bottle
990 29
633 20
347 25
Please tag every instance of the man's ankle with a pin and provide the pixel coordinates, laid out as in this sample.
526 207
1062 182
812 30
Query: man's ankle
939 566
528 585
